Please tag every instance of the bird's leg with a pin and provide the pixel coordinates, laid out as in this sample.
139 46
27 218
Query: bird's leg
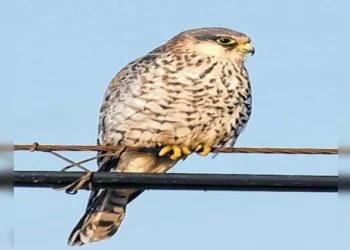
199 147
177 151
186 150
165 150
203 150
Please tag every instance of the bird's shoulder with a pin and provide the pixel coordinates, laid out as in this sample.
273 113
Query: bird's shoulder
140 65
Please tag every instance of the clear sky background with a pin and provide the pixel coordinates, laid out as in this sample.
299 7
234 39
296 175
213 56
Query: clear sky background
61 55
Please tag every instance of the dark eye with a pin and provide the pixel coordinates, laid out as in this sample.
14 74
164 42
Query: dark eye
226 40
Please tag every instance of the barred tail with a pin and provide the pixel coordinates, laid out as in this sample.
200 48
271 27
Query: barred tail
103 221
106 209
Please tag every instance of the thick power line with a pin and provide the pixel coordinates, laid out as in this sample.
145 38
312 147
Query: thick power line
172 181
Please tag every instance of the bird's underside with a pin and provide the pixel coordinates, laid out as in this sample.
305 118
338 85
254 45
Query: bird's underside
189 95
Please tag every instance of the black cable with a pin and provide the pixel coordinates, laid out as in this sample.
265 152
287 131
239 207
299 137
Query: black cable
6 180
172 181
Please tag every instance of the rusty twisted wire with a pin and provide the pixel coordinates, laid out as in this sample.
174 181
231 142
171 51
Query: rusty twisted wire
264 150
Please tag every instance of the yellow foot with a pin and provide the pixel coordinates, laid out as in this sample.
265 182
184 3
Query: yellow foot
186 150
177 151
205 150
199 147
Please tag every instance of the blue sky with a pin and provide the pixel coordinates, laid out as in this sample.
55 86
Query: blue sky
59 58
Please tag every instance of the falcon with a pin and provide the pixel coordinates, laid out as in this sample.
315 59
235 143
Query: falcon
187 96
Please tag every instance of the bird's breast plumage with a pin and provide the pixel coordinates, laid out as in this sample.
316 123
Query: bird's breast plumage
181 99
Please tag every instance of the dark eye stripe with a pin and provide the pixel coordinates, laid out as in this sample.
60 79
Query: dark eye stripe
229 46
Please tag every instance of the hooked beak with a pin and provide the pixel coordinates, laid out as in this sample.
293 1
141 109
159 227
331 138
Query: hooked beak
246 48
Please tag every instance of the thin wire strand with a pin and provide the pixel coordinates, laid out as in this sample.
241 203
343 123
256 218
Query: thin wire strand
48 148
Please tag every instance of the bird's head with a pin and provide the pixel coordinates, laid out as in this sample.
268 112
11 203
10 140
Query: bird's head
218 42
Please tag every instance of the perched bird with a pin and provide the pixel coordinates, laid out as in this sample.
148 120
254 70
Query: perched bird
188 95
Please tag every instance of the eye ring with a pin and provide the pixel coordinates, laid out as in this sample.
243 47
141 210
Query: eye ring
224 40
